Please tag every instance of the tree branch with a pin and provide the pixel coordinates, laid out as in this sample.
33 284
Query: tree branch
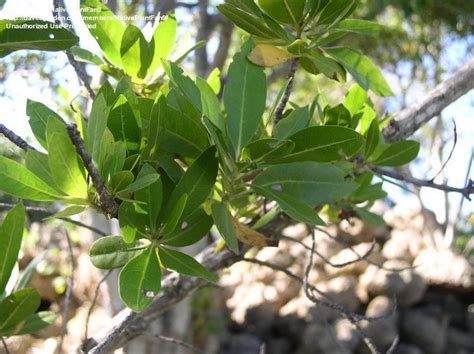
107 203
15 139
465 191
411 119
286 96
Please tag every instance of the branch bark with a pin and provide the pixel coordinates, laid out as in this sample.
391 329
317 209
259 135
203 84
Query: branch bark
411 119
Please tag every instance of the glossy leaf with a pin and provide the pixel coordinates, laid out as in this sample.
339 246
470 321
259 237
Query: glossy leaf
37 162
323 144
23 33
11 234
362 69
22 183
143 180
132 221
183 264
172 220
140 280
286 11
16 307
225 224
373 137
135 52
244 99
113 252
338 115
191 229
85 56
396 154
355 99
120 181
266 150
317 63
163 41
123 124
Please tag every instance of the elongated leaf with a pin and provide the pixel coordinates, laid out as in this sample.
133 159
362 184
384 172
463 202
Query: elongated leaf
123 124
355 99
183 264
268 56
85 56
27 273
113 252
244 99
16 307
317 63
132 220
191 229
362 69
39 115
163 39
37 162
224 223
11 234
293 123
22 33
323 144
141 182
338 115
359 26
96 126
140 280
106 29
197 182
64 166
286 11
175 215
373 137
120 181
136 52
292 206
336 10
69 211
312 182
22 183
152 197
396 154
31 324
267 150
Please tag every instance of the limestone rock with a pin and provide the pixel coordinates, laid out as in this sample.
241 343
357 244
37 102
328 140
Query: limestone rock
348 255
425 331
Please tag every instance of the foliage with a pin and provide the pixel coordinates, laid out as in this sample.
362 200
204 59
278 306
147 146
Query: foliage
177 161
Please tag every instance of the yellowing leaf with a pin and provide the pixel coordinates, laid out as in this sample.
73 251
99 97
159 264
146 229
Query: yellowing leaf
268 55
252 237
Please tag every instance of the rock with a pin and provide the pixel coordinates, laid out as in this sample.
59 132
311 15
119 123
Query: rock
382 331
242 344
319 339
277 346
404 348
325 246
380 281
403 244
426 332
346 333
414 290
259 319
347 255
355 231
297 231
299 306
445 268
459 340
470 318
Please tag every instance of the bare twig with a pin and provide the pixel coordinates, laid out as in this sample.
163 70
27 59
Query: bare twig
94 301
395 342
85 226
455 141
465 191
116 332
286 96
107 203
177 342
411 119
67 300
5 346
15 139
60 12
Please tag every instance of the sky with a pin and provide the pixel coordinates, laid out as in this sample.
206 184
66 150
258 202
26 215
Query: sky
20 86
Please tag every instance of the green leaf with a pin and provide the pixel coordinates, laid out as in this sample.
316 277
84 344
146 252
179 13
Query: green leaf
244 98
296 209
286 11
104 26
373 137
310 182
11 234
140 280
120 181
336 10
27 273
22 183
123 124
370 217
152 197
163 39
355 99
16 307
37 162
183 264
291 124
65 167
39 115
338 115
359 26
31 324
267 150
96 126
323 144
135 52
85 56
214 80
171 222
211 107
396 154
143 180
224 223
317 63
22 33
132 221
113 252
192 228
362 69
69 211
197 182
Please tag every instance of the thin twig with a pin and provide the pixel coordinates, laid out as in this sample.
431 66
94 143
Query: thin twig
85 226
5 346
455 141
465 191
15 139
67 300
58 16
286 96
107 203
395 342
177 342
94 301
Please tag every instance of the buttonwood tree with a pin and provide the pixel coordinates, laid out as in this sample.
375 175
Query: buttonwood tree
170 155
